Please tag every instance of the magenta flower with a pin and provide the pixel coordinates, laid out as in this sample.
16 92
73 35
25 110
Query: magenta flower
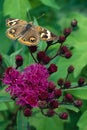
30 86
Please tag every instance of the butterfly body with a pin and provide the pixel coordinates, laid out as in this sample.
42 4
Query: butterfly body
27 33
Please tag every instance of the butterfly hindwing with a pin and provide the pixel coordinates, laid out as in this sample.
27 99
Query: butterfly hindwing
45 34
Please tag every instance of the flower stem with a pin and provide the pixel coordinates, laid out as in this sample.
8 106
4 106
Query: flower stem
33 56
66 77
58 52
47 47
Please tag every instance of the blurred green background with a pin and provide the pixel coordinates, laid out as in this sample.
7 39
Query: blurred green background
54 15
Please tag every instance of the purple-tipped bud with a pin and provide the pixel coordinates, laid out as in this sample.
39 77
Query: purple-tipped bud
61 39
81 81
67 84
68 54
50 113
74 23
67 32
19 60
54 104
78 103
27 112
57 93
52 68
63 115
70 69
60 82
69 97
33 49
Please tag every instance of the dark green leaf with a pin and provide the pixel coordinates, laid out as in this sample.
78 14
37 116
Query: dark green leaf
48 123
22 122
50 3
69 107
82 123
10 60
5 98
16 8
80 92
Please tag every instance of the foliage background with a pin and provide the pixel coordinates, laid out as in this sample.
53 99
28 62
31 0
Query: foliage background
57 15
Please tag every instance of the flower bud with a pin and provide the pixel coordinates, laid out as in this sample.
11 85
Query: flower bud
70 69
78 103
57 93
51 86
42 57
27 112
42 104
63 115
68 54
64 49
60 82
81 81
74 23
50 113
67 32
33 49
67 84
61 39
69 97
52 68
46 60
54 104
19 60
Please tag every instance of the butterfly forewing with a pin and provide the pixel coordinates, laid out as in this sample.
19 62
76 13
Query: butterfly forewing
12 22
15 31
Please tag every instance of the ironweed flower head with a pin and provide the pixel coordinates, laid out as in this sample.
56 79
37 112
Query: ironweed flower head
28 86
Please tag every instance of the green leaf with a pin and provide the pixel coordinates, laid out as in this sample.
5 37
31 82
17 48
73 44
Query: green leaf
5 98
69 107
22 122
3 107
12 57
4 41
6 59
80 92
16 8
50 3
10 60
82 123
41 122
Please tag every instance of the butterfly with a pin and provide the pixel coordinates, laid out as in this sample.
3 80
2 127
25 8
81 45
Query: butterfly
27 33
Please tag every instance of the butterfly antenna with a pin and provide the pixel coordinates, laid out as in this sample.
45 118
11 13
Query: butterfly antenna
41 16
28 15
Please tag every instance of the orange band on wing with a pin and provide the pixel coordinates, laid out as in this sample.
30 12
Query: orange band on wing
27 42
11 36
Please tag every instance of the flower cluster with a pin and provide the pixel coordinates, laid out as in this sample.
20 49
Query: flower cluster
32 88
